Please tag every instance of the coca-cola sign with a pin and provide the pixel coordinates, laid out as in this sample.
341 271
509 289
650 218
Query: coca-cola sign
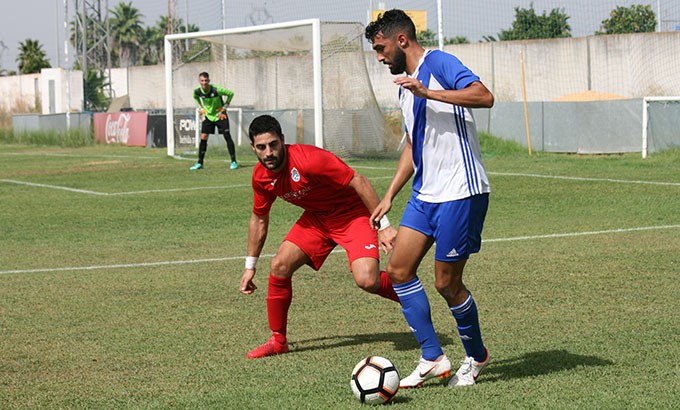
117 131
128 128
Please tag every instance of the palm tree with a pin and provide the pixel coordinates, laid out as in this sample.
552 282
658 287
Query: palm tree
127 32
157 33
31 57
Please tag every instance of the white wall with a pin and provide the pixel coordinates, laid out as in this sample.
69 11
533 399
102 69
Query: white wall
629 65
119 82
58 75
18 90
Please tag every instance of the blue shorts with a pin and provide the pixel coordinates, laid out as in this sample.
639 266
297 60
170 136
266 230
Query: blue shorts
456 226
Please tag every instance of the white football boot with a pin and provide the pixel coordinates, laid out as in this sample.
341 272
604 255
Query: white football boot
468 372
425 370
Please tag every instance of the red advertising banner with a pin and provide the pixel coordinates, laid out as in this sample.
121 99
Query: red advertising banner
127 128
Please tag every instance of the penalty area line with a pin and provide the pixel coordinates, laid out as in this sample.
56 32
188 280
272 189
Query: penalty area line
231 258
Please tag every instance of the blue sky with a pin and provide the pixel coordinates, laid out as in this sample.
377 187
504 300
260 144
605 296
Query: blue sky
43 19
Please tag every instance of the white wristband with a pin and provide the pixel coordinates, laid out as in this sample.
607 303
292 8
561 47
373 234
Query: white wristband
251 261
384 223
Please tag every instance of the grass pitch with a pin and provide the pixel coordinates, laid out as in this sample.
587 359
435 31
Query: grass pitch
119 274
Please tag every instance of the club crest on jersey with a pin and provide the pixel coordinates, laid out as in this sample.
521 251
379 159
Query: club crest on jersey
295 175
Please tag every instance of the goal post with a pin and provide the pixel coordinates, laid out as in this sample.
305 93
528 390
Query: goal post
309 74
316 52
660 124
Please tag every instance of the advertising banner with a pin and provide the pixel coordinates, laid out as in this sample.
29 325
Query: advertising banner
185 129
128 128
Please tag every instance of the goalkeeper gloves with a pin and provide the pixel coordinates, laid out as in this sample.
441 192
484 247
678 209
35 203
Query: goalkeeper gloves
222 114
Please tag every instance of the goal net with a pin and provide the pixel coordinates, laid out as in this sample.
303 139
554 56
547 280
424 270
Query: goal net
660 124
309 74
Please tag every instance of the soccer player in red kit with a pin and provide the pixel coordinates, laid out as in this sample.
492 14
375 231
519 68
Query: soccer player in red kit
337 203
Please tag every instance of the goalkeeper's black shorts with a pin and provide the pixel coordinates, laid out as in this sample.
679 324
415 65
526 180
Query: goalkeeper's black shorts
208 127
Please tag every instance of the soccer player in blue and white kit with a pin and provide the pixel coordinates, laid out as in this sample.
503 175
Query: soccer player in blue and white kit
450 191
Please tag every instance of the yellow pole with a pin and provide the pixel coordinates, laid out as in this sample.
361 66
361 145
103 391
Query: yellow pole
524 91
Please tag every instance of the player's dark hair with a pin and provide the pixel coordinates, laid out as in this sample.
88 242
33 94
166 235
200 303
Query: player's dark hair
264 124
204 74
390 23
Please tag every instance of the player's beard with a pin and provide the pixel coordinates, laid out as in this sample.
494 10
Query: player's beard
278 160
399 62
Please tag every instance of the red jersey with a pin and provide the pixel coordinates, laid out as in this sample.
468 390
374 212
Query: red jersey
311 178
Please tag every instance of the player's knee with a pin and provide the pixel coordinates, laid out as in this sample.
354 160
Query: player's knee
281 268
398 274
369 283
450 290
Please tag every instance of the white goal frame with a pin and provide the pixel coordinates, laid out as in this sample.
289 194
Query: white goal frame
645 118
316 58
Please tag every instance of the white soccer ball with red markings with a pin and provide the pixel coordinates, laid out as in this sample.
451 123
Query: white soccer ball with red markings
375 380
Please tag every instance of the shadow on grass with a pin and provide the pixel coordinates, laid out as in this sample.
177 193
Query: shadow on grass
402 341
399 400
538 363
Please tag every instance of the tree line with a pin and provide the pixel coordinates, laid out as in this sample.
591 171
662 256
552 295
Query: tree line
531 26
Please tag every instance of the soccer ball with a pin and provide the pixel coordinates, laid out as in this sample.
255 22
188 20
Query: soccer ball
375 380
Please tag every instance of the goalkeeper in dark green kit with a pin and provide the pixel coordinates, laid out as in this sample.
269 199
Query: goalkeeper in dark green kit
213 114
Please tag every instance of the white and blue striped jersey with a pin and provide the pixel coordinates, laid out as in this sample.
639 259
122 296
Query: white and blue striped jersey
447 158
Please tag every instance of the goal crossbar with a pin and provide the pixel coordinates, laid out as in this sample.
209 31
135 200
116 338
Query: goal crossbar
316 58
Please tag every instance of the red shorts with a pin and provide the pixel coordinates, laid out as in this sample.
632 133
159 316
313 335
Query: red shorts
317 236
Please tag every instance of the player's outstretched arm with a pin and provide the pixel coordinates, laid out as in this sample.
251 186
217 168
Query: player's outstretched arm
257 234
475 95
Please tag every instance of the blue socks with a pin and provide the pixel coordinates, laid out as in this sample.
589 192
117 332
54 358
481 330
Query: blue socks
468 328
416 308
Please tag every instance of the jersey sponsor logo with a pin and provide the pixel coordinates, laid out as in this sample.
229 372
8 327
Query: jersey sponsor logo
452 254
295 175
295 195
371 246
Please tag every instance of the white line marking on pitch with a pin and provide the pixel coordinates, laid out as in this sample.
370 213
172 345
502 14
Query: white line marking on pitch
55 154
85 191
564 235
231 258
623 181
82 191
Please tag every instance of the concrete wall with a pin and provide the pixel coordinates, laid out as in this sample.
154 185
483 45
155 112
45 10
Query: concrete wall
54 98
54 122
19 90
587 127
629 65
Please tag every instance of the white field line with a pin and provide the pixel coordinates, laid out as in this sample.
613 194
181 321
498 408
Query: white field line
54 154
623 181
85 191
230 258
81 191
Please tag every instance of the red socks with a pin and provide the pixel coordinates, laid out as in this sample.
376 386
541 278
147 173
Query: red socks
386 290
279 296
